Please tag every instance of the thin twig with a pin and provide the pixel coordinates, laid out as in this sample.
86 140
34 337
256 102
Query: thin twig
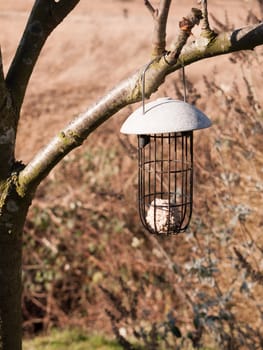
160 21
3 90
185 25
256 276
2 79
150 7
205 15
206 30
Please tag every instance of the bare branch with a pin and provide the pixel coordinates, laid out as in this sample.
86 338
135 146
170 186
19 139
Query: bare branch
160 21
129 92
44 18
2 83
205 25
186 25
75 133
7 128
150 7
206 30
2 79
246 38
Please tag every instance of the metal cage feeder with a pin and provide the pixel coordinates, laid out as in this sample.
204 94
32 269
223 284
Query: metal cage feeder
165 162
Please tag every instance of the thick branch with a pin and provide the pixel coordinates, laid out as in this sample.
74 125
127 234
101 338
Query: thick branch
44 18
160 21
7 128
3 91
2 79
246 38
129 92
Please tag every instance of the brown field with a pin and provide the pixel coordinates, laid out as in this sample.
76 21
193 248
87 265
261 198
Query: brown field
83 229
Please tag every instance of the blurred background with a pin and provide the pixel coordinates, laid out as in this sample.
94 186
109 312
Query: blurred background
88 262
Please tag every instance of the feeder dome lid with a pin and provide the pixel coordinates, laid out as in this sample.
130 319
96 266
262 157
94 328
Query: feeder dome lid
165 115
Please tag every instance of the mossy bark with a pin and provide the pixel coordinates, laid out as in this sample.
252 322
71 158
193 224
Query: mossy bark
13 210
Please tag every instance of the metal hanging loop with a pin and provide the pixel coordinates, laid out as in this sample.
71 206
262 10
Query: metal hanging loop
143 82
184 80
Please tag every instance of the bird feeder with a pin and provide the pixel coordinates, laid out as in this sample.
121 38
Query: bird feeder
165 162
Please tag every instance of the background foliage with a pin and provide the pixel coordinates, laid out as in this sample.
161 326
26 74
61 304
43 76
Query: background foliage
89 263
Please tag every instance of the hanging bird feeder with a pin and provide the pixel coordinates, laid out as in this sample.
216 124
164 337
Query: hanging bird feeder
165 160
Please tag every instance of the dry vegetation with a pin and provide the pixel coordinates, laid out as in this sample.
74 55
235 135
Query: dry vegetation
85 250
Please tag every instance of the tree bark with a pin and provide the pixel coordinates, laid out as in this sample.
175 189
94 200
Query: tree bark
160 21
13 211
45 17
7 128
10 292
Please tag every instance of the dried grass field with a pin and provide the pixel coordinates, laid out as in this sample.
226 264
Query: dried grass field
87 260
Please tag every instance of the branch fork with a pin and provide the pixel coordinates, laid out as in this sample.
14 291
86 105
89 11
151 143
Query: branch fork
130 90
185 26
206 29
160 17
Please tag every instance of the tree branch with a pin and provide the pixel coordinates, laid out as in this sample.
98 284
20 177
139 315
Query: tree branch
2 86
129 91
150 7
2 78
246 38
185 25
160 21
75 133
205 25
207 32
7 128
44 18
